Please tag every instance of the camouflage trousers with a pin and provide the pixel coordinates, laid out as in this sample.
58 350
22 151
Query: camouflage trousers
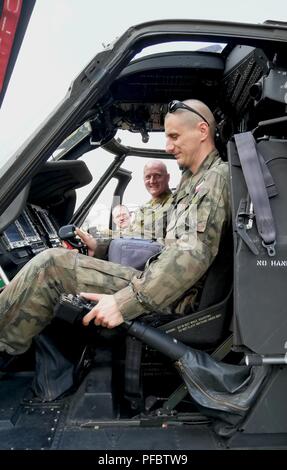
27 303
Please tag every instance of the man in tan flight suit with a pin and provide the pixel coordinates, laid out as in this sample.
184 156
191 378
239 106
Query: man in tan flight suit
199 219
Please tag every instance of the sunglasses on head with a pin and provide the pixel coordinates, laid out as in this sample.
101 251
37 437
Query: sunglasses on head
175 105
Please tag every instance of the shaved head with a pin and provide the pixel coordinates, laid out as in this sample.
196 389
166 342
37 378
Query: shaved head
189 136
193 119
157 164
156 178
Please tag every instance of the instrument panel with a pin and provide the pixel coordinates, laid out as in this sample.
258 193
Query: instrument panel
32 232
49 202
34 228
48 226
21 233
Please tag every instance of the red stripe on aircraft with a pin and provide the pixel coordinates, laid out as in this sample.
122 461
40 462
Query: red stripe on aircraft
8 26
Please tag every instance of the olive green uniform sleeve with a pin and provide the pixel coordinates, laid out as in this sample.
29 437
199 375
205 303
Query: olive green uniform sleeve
189 250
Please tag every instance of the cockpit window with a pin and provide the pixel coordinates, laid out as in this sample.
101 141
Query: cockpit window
75 138
182 46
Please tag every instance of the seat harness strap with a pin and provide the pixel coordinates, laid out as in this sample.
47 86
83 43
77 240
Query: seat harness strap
253 174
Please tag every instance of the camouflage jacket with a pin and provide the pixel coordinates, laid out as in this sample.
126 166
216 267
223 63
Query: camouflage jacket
151 219
200 216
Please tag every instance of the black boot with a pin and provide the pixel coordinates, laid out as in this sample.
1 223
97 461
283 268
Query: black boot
83 365
5 360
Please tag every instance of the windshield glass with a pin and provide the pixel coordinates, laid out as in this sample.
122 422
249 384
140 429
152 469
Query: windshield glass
181 46
75 138
17 133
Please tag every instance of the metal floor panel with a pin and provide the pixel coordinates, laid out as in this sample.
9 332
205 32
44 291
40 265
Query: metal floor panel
27 423
12 389
139 438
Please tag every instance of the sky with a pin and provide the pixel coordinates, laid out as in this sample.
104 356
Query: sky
64 35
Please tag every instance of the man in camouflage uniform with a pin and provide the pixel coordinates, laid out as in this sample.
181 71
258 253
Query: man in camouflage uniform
191 244
151 219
